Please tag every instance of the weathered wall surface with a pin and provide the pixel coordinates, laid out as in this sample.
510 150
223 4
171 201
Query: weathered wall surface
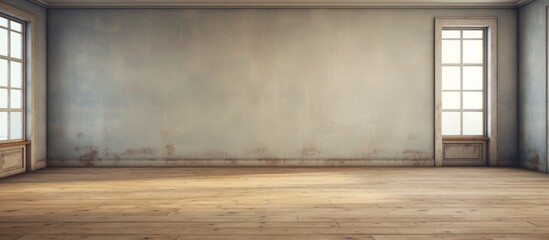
533 85
150 85
39 114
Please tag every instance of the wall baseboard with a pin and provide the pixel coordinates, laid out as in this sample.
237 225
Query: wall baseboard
245 163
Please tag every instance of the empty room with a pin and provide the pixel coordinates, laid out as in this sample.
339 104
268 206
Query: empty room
274 119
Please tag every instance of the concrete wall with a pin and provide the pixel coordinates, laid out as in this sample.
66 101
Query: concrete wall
37 132
157 86
533 85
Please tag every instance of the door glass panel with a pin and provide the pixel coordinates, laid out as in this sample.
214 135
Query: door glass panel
3 42
473 100
451 77
3 73
473 78
472 51
451 100
16 99
473 34
16 50
451 51
3 98
16 74
472 123
3 22
3 126
451 34
16 127
16 26
451 123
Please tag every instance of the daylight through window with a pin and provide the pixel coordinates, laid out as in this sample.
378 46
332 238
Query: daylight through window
463 82
12 64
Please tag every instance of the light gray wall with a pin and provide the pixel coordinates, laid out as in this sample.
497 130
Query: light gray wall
39 128
533 85
253 84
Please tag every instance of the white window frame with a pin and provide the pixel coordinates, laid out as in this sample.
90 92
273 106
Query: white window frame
30 102
491 129
23 62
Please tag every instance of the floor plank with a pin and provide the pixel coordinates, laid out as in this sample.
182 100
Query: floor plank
275 203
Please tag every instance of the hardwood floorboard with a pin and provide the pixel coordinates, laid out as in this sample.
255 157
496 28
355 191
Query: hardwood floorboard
275 203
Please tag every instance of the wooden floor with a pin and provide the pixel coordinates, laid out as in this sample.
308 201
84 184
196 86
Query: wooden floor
275 203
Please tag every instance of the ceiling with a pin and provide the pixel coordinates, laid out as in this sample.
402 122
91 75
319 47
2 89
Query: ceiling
284 3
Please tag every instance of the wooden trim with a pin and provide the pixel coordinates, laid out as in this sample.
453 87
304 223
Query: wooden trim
279 4
30 73
243 163
492 80
13 144
465 139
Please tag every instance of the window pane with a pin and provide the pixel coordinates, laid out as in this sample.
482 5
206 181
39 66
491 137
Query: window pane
3 72
451 78
16 26
3 22
16 50
451 51
3 126
16 125
473 100
451 34
3 98
451 123
451 100
472 123
473 34
16 74
16 99
473 78
3 42
472 51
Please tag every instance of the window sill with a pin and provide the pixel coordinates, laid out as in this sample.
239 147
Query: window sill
465 139
13 144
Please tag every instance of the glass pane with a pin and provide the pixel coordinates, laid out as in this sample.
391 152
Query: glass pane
16 125
472 123
3 126
3 42
451 100
473 34
3 22
16 74
451 124
451 33
3 98
16 99
16 26
472 51
451 51
16 50
473 100
473 78
451 78
3 72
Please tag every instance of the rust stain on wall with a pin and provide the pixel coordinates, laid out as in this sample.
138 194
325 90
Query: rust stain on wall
309 152
139 151
170 150
215 154
416 155
257 151
89 156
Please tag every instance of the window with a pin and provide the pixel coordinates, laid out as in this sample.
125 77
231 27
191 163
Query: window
463 81
12 65
466 90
